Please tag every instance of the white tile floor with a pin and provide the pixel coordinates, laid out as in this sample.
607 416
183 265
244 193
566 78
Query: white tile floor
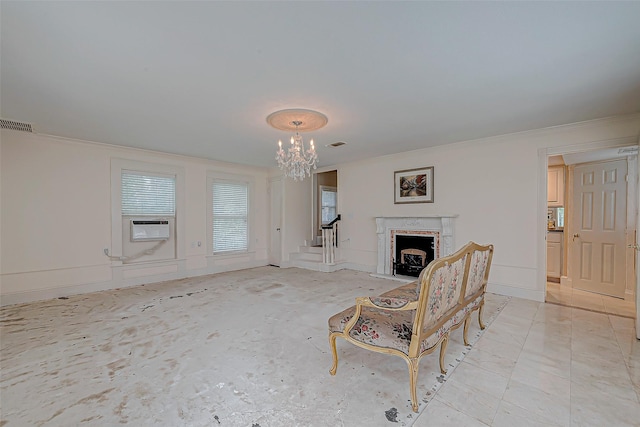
545 365
250 348
567 296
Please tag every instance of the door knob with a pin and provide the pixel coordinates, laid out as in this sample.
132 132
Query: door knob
636 247
574 236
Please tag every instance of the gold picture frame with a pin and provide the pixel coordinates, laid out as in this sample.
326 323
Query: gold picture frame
413 185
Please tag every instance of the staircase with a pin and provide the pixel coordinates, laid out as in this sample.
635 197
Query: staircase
319 258
310 257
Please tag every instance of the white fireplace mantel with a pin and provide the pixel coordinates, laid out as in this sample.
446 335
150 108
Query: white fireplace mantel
442 224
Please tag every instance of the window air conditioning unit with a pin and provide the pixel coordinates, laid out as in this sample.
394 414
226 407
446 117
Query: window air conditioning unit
144 230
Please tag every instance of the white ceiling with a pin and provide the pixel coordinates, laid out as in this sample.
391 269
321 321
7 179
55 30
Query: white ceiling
199 78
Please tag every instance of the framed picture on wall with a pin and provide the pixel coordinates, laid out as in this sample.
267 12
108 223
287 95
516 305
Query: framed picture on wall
413 185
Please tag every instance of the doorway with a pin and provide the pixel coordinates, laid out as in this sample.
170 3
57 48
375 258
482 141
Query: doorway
325 202
585 280
597 256
275 221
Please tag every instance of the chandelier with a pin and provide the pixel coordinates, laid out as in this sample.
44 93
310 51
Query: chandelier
296 162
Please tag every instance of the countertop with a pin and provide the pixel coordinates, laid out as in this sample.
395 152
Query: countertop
556 230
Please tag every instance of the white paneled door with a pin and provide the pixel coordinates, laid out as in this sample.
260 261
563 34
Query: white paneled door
599 218
275 221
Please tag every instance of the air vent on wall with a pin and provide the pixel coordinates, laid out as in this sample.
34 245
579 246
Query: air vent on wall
15 125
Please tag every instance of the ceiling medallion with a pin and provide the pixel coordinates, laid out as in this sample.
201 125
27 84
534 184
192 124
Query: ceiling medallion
297 162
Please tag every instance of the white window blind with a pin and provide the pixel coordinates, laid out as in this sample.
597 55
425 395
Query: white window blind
144 193
230 210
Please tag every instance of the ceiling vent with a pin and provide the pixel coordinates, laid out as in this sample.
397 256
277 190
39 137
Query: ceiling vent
15 125
337 144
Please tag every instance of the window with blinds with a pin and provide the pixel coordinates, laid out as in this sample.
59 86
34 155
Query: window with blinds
328 204
144 193
230 216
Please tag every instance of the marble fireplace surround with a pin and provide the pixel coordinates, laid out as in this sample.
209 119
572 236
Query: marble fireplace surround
439 226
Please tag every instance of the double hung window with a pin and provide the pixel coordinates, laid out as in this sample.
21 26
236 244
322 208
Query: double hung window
328 204
147 194
230 216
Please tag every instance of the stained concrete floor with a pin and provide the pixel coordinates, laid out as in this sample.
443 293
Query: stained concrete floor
244 348
249 348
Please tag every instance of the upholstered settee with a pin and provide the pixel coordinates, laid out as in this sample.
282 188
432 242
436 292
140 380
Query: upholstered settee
412 320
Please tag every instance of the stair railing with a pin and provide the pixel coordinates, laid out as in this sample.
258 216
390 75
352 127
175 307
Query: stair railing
329 241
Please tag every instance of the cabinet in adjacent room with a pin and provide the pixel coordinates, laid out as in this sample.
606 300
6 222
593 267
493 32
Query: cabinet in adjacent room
555 186
554 254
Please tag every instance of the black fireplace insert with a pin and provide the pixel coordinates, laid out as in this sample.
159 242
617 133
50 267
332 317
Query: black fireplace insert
412 254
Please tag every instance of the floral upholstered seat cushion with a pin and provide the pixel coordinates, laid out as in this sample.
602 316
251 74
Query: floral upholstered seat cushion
388 329
407 292
381 328
392 329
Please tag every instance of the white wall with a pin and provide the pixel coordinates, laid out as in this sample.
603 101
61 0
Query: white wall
1 215
56 208
296 216
56 218
494 185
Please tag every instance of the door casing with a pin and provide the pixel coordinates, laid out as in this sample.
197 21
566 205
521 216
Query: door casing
541 225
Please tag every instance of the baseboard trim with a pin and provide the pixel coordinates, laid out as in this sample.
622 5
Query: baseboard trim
566 281
65 291
330 268
356 267
512 291
85 288
629 295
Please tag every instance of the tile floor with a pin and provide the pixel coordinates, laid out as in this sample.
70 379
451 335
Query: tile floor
567 296
250 348
545 365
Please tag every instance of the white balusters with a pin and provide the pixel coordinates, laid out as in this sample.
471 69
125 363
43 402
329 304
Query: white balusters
329 245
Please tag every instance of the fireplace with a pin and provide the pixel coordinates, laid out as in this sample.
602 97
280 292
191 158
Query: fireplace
426 238
412 253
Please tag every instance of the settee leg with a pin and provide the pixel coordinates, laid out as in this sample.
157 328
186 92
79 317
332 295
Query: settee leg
413 379
466 329
443 349
334 352
482 326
